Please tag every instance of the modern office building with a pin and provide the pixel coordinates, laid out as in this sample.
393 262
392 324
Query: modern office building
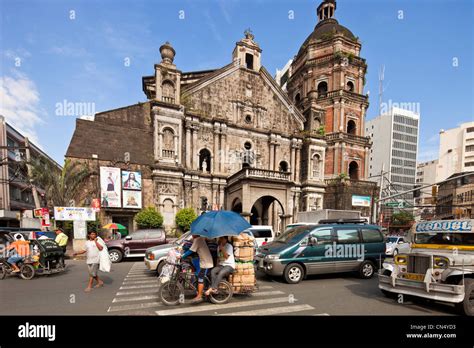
456 151
395 147
424 202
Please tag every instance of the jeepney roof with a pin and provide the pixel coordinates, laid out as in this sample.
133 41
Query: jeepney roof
444 226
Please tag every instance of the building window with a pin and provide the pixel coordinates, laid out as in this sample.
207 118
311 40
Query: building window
283 167
249 60
168 143
297 98
470 129
351 127
167 89
469 164
316 166
354 170
469 148
205 160
350 86
248 119
322 88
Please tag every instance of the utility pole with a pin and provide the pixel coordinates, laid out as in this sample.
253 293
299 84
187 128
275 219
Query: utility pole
30 174
378 208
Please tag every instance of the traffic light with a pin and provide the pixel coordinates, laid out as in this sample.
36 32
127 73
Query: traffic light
204 203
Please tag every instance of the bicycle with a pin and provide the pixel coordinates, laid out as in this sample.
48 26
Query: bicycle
172 292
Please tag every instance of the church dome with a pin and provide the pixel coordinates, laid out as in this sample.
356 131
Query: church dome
328 27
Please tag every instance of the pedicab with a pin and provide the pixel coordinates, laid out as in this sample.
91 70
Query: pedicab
180 275
46 257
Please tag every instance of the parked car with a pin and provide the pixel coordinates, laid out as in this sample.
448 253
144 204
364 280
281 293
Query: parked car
262 234
332 246
135 244
395 245
155 257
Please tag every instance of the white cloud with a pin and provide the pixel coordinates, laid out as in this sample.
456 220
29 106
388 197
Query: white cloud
20 104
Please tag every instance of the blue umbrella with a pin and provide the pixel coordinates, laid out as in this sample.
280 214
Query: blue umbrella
219 223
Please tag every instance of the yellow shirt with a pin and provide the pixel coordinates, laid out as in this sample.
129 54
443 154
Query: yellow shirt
61 239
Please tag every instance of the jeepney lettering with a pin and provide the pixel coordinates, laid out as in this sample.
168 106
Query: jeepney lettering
445 226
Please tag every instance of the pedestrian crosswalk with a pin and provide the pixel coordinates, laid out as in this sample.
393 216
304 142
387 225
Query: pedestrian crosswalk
138 295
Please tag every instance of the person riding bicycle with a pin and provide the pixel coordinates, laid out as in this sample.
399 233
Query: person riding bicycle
21 250
205 263
225 264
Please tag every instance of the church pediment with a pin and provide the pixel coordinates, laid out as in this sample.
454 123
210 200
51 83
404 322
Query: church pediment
243 97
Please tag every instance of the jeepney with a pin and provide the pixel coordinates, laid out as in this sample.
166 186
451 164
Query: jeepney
439 265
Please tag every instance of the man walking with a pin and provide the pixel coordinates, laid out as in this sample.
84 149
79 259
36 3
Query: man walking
61 239
92 248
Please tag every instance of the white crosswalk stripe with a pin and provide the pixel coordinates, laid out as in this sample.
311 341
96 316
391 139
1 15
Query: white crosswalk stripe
138 295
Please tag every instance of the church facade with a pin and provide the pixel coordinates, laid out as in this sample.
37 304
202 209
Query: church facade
231 138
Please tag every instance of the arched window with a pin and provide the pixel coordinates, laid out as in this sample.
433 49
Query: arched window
205 160
297 98
168 143
350 86
316 166
283 167
354 170
351 127
249 60
322 88
167 89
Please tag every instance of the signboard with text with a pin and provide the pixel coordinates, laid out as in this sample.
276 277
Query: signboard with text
361 201
74 214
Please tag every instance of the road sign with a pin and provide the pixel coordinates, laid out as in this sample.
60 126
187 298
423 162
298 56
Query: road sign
401 204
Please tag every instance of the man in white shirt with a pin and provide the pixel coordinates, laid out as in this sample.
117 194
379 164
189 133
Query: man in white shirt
225 264
92 248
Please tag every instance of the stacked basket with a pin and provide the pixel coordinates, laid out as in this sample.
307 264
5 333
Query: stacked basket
243 279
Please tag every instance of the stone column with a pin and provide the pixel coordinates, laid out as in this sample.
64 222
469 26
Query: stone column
342 123
223 148
154 113
366 163
336 159
188 147
298 164
194 154
344 167
215 136
271 155
292 160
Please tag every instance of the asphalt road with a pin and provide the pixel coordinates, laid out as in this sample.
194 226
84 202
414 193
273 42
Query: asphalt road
130 289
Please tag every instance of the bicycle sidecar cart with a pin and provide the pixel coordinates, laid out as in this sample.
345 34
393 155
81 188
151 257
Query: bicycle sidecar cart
46 257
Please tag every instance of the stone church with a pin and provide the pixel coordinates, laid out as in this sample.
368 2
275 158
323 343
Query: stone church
232 138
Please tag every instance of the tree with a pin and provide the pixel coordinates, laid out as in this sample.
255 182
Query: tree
149 218
184 218
61 185
402 218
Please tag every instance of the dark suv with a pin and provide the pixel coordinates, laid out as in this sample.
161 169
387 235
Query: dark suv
135 244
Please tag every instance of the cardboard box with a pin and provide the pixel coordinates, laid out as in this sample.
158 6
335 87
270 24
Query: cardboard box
244 253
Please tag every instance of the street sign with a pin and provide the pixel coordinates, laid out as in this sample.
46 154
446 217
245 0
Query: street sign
400 204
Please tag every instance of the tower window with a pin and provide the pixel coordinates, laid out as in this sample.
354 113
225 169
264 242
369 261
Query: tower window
249 61
297 98
354 170
248 145
351 127
248 118
350 86
283 167
322 88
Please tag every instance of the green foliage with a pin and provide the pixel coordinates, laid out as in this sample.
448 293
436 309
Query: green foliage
402 218
343 176
184 218
149 218
61 185
321 130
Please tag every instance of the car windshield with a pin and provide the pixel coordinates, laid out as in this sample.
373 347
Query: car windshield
392 239
293 235
445 238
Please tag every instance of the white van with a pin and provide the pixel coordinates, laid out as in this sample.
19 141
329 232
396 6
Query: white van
262 234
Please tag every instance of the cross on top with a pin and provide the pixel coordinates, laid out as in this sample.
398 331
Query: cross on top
248 34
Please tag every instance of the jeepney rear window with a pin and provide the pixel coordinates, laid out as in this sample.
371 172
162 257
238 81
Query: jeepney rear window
445 238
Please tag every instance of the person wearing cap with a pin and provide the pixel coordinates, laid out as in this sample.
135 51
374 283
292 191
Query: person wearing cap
61 239
22 250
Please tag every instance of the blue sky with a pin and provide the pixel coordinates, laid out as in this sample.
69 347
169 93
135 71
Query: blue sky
47 57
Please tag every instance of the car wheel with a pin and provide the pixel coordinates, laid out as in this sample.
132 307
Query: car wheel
27 272
367 269
159 268
466 307
293 273
115 255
